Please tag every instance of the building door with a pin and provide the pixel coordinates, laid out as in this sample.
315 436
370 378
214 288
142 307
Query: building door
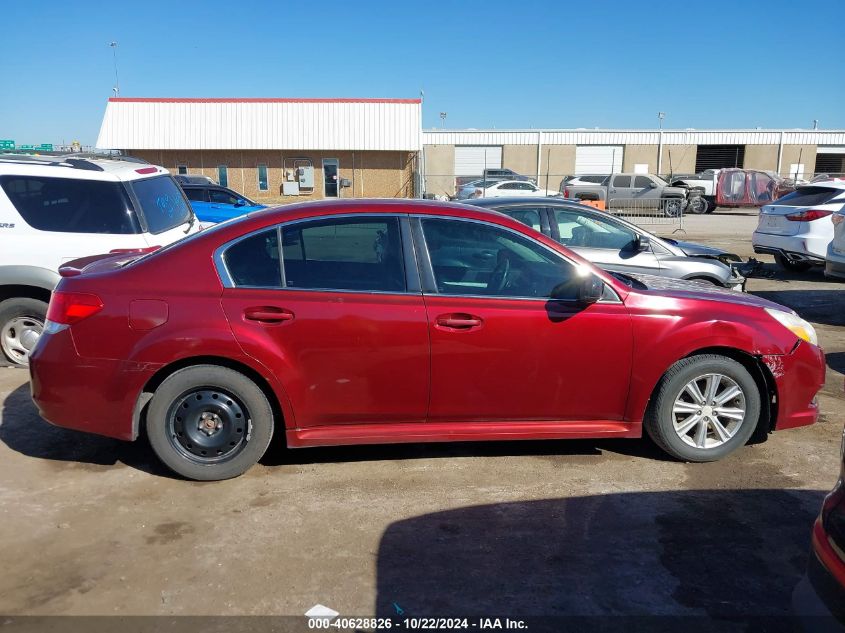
331 169
598 159
472 160
719 157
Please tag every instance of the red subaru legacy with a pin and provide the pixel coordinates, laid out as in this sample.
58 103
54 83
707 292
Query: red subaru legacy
406 321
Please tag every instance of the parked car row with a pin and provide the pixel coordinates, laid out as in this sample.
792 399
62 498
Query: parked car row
804 228
639 191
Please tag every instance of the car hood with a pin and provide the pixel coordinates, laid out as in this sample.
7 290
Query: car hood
700 250
683 289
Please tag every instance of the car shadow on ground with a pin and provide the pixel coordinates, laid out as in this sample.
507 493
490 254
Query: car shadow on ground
709 560
23 431
836 361
819 306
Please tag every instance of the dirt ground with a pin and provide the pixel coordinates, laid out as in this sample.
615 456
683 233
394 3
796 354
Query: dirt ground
94 526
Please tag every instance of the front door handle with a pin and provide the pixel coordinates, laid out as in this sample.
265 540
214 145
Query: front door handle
268 314
459 321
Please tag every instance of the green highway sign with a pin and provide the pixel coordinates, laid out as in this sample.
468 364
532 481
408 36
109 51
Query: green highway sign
7 144
44 147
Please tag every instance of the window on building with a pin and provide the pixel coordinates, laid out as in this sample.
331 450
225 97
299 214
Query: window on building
222 175
360 254
262 178
331 173
182 169
254 261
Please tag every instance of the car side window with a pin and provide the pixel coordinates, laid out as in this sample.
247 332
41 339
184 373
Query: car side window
525 186
528 216
195 194
477 258
356 254
641 182
622 181
590 231
254 261
509 185
221 196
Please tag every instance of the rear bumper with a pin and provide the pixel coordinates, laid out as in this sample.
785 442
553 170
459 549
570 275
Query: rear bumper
801 247
798 376
84 394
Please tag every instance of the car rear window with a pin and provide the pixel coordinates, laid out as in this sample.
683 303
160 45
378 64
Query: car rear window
68 205
809 196
162 203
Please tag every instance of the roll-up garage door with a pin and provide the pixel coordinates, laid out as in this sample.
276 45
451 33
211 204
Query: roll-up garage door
472 160
830 160
719 157
598 159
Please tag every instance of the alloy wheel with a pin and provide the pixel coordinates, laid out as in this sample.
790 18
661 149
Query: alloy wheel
709 411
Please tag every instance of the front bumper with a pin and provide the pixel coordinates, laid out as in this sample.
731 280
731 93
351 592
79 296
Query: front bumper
799 376
92 395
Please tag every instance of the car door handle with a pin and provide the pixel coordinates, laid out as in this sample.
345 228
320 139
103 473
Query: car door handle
458 321
268 314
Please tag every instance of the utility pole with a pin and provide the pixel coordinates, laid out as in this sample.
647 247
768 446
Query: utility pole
660 117
116 88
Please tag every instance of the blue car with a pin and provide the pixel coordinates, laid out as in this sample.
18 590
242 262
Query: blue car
213 203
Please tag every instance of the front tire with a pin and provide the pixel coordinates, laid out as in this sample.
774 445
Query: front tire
705 407
21 324
209 423
673 207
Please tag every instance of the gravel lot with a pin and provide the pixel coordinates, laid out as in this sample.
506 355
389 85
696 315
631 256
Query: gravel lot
95 526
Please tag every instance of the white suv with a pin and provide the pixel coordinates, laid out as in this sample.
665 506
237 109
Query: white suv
54 209
797 228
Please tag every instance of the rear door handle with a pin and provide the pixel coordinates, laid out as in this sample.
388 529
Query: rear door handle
268 314
458 321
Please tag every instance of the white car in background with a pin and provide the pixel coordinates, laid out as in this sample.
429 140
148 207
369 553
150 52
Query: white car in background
835 260
503 188
797 228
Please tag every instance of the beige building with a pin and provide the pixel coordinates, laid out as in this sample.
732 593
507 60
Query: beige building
276 150
550 155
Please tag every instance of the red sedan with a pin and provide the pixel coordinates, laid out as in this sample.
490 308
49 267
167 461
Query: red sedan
406 321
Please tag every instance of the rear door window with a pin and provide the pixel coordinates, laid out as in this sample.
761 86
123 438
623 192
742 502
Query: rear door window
254 261
68 205
809 196
356 254
162 202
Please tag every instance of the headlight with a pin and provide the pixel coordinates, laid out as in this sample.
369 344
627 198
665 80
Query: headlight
794 323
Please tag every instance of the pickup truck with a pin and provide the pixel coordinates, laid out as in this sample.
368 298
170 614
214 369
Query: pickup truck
635 191
706 182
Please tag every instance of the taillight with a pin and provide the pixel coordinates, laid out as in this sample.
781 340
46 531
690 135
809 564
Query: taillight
566 192
67 308
837 218
147 170
808 216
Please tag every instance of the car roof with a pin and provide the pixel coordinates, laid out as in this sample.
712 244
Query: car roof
529 201
78 167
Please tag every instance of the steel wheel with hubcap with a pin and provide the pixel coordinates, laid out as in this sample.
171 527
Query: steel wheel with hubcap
208 422
21 325
704 408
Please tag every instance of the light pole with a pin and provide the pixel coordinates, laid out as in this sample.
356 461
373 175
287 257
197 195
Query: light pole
116 88
442 119
660 117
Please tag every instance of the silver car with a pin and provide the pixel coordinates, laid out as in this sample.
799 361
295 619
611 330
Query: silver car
835 259
617 245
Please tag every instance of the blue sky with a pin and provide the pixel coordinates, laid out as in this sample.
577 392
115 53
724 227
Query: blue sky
487 64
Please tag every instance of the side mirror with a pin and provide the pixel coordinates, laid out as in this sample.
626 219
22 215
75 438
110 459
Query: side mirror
590 289
643 243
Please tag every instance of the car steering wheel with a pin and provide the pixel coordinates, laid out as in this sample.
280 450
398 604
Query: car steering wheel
499 276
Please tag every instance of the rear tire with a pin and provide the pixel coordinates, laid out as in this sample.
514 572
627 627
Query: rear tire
793 267
209 423
21 324
688 430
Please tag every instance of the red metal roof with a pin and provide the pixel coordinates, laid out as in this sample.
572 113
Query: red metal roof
252 100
